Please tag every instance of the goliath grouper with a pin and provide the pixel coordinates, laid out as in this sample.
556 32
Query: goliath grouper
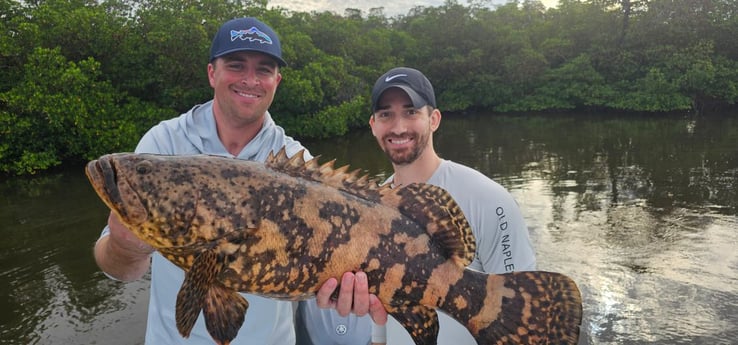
282 228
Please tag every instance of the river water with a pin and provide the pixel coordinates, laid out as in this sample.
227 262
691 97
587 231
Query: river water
640 211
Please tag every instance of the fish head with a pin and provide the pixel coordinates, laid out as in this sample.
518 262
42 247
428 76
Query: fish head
155 196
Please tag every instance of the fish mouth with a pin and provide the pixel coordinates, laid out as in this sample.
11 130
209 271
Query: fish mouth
102 175
107 183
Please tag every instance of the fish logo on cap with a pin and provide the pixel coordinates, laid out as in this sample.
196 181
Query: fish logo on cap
252 35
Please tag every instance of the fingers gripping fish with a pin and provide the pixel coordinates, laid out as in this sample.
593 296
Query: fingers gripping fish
280 229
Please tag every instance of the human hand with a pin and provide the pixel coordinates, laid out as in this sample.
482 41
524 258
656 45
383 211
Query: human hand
121 254
353 297
125 240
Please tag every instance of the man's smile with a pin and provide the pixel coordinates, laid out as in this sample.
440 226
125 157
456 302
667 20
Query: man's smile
399 141
247 94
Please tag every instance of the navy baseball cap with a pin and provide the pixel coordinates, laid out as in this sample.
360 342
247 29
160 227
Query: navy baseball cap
246 34
412 81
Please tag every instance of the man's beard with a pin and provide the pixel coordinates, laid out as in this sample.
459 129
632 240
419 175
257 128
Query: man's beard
407 156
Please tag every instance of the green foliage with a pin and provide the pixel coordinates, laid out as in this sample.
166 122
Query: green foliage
574 84
323 87
62 110
82 78
654 92
332 120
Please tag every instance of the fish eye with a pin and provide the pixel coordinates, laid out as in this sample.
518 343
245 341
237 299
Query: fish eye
144 167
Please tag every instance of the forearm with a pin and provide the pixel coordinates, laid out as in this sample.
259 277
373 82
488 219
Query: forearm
119 262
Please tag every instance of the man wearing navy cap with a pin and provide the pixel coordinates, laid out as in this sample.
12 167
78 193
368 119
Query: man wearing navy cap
244 72
404 118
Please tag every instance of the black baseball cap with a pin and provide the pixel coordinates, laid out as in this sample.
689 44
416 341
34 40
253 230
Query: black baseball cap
412 81
246 34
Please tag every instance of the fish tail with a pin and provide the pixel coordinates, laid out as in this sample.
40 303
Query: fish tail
533 307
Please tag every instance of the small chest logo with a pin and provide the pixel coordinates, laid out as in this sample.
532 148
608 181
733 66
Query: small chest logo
341 329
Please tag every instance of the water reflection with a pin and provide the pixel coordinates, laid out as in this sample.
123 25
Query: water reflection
641 212
55 293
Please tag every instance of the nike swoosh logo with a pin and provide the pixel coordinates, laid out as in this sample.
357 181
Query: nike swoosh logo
389 78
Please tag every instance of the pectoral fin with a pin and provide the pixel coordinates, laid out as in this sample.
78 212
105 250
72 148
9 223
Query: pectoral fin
194 291
224 311
420 321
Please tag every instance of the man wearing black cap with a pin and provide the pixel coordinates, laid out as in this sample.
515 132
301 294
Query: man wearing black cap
244 72
404 118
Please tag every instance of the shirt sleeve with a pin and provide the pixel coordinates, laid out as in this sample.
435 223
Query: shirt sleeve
503 240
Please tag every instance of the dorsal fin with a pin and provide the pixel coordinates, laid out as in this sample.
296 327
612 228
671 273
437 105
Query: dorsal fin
352 182
428 205
434 208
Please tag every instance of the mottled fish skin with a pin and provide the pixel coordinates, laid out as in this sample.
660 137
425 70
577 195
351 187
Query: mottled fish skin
281 229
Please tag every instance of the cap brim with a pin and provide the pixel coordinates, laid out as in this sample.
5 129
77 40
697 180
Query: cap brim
418 101
279 60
